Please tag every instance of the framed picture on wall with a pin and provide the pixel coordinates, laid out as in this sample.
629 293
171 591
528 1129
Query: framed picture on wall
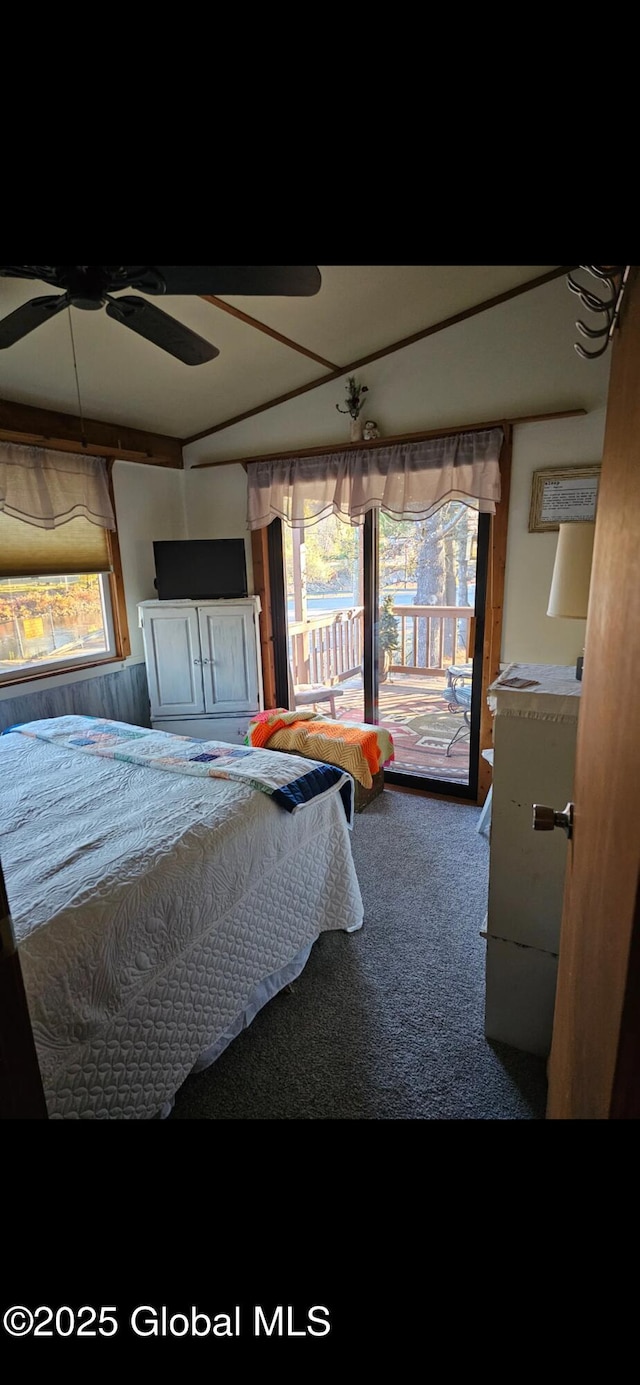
562 494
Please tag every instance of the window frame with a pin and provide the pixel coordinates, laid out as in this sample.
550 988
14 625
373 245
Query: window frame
115 611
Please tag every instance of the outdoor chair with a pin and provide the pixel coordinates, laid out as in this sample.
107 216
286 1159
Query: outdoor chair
459 699
310 697
306 695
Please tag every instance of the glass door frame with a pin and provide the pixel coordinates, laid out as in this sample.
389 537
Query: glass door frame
370 574
278 594
404 779
449 788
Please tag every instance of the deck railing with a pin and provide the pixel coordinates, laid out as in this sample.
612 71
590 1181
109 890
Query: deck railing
431 638
327 649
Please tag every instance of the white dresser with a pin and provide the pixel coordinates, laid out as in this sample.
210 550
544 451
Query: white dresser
204 668
534 743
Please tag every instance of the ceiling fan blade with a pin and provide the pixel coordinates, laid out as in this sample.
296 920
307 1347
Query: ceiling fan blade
31 315
156 326
299 281
47 273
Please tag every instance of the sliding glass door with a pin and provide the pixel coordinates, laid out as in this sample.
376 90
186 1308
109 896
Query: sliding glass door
430 630
324 580
384 623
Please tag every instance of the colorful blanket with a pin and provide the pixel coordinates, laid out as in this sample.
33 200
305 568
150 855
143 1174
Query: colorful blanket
289 783
359 749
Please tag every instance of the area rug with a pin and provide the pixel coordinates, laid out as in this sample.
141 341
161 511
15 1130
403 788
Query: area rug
435 728
422 727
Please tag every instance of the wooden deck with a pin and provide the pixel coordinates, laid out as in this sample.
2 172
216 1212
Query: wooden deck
326 651
414 710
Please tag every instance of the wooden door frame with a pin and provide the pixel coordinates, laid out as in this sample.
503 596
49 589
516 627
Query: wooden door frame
263 550
594 1064
494 607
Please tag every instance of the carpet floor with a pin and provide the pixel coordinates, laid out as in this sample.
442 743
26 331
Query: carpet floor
386 1023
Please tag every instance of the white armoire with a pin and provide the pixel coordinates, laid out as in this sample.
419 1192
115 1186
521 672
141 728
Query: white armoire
204 668
534 741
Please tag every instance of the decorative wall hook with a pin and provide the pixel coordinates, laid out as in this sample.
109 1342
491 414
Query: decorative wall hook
614 277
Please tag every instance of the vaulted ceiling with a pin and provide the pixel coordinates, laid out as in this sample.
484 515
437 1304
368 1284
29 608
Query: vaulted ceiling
86 364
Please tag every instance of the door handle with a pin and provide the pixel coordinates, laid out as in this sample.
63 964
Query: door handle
545 819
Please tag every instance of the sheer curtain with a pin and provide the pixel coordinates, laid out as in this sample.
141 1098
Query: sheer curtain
47 488
405 480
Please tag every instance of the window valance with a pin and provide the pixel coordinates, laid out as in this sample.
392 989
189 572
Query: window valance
55 511
47 488
405 480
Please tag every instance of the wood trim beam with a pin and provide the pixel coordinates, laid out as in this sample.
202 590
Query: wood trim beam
388 442
494 607
24 424
387 350
116 578
269 331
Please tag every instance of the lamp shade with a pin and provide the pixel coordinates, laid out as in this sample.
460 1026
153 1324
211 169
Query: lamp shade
569 595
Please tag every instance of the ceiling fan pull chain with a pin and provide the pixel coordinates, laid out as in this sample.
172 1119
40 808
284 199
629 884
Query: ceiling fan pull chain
75 367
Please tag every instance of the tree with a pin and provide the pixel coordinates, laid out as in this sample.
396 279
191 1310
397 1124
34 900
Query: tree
436 577
388 636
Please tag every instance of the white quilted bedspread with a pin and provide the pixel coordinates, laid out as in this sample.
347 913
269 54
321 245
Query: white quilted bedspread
147 907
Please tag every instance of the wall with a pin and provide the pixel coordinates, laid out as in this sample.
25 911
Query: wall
149 505
122 696
529 635
515 359
216 507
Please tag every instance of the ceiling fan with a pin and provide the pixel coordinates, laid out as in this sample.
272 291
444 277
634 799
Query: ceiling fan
91 287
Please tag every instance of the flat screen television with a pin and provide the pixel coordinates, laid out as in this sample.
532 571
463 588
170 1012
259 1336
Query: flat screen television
200 569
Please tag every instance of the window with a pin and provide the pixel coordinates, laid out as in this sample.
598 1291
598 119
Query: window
51 623
61 596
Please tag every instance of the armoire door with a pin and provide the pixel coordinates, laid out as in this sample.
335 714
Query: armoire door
174 661
229 658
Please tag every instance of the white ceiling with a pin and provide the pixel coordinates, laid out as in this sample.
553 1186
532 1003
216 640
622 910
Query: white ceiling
124 379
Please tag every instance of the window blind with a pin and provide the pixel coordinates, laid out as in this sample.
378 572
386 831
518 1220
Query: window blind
27 551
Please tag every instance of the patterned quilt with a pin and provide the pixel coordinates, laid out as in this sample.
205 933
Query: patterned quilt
356 747
291 785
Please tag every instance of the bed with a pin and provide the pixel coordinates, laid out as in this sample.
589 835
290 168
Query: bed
155 913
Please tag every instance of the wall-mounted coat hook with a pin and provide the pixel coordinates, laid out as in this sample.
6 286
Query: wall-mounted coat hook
615 277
